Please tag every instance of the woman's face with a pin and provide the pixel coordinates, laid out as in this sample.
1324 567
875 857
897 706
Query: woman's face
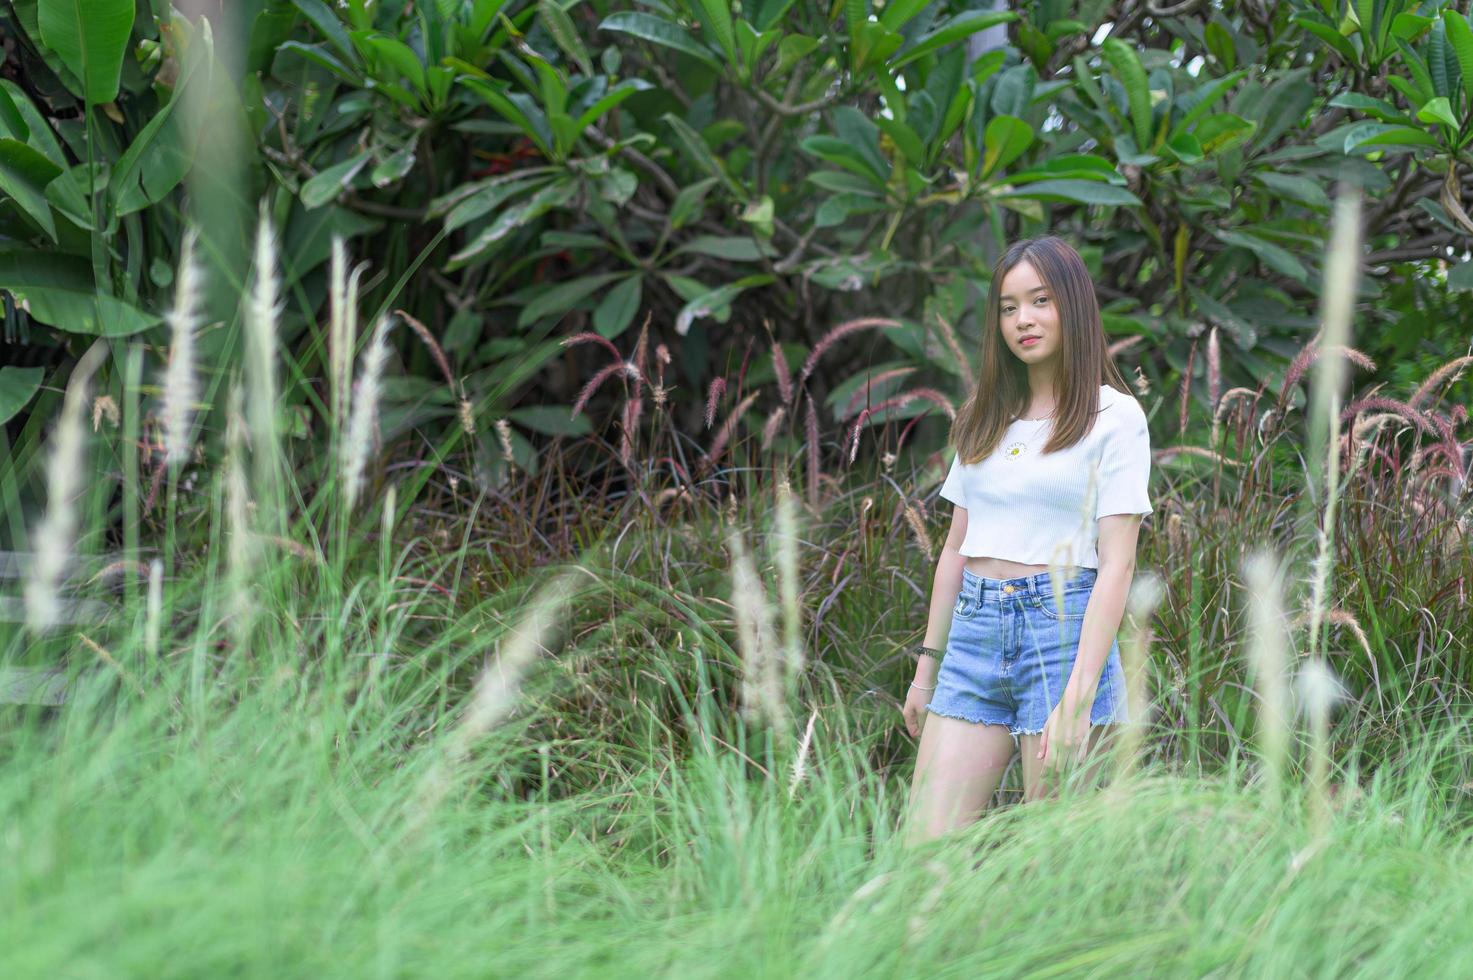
1026 309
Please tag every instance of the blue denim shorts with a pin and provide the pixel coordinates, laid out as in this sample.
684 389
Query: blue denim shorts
1011 650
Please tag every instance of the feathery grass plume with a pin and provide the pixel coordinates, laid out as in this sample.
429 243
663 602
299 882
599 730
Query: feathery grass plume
503 435
1146 592
180 386
962 361
728 428
713 394
800 762
54 538
494 696
342 292
1186 387
263 309
363 413
103 407
1214 379
628 426
785 547
240 540
457 391
762 689
153 621
863 392
1338 294
904 398
594 383
1318 690
1452 372
770 427
785 388
1268 655
918 528
833 336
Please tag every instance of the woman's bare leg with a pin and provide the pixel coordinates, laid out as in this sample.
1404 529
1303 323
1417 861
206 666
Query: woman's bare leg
959 766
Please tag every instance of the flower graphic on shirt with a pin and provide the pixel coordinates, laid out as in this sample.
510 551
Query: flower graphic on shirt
1014 450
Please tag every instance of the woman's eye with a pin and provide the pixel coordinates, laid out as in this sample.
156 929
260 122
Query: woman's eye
1043 299
1007 309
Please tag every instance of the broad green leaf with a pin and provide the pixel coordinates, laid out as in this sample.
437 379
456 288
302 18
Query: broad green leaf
91 38
961 26
733 248
561 298
514 107
327 22
689 202
1460 36
837 151
59 291
1339 42
17 385
552 420
327 184
1437 110
860 132
612 98
697 149
905 139
1127 66
1295 187
717 300
1076 191
617 309
1006 139
560 26
1377 108
716 18
509 220
24 174
658 30
1459 277
1273 256
398 56
11 119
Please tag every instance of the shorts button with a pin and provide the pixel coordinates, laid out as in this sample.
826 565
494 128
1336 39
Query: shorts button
1007 588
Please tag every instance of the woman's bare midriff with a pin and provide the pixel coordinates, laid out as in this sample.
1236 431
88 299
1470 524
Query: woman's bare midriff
988 567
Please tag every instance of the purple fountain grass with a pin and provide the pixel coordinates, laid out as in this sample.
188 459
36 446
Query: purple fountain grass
457 391
713 394
784 376
1453 368
835 335
862 394
728 428
904 398
811 426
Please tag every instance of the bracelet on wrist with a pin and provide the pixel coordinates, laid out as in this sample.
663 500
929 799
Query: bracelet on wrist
919 688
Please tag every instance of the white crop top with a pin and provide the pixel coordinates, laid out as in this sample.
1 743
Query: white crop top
1038 509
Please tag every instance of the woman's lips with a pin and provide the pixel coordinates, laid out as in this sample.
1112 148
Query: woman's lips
1028 341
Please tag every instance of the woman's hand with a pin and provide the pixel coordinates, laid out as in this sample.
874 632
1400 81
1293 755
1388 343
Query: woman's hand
1066 733
915 708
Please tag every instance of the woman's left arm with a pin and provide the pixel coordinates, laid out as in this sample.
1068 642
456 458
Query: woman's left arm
1116 551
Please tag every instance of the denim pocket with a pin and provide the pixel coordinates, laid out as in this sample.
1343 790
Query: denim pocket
1075 603
965 608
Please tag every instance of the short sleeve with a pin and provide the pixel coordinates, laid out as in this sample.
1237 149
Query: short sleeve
1125 465
952 488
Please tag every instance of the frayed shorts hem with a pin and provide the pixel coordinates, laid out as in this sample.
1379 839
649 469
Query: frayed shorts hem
974 721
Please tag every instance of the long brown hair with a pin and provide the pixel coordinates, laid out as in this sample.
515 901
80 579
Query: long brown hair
1001 395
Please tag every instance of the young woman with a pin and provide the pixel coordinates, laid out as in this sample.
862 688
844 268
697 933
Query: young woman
1051 471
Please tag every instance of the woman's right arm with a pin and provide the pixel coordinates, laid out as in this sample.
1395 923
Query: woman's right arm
945 587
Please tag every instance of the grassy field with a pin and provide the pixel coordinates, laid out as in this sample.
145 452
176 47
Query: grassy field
348 720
